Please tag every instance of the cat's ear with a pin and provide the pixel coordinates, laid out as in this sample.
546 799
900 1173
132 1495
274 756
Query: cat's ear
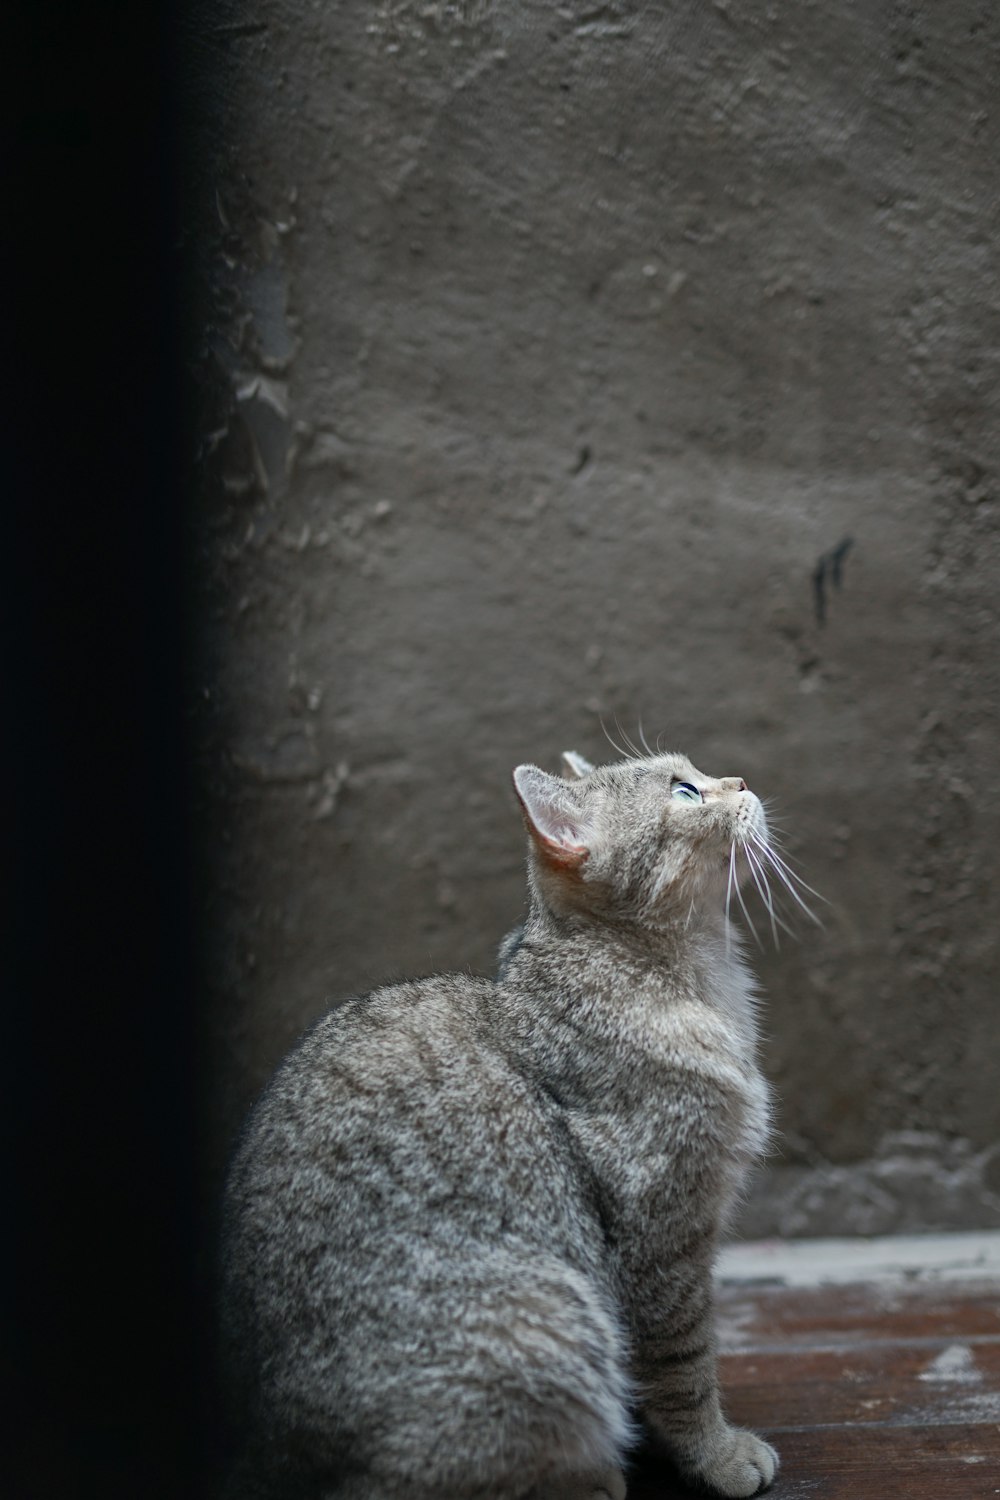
553 816
575 768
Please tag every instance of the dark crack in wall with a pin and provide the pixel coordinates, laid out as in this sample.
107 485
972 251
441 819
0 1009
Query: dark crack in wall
550 356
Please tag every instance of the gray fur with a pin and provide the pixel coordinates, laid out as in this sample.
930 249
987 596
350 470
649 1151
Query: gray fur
471 1225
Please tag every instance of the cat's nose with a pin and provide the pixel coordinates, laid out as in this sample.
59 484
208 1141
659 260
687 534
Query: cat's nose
734 784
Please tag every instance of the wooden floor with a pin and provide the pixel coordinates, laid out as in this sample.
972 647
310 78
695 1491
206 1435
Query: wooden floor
874 1370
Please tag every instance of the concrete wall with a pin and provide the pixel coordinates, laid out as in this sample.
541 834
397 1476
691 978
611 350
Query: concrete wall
546 351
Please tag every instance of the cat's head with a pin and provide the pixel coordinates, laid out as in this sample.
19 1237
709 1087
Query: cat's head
640 840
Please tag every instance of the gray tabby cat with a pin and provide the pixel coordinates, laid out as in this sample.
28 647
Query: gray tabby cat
470 1225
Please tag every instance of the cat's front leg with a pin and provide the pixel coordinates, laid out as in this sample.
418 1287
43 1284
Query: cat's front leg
678 1370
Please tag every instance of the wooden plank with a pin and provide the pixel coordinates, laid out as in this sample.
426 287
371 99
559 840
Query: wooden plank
766 1317
880 1463
890 1463
919 1383
881 1390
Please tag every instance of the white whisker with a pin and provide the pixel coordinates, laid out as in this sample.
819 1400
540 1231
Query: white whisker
785 875
770 850
773 824
772 841
729 893
636 753
614 743
759 879
756 867
743 908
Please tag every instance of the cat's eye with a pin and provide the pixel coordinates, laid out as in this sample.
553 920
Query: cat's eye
685 792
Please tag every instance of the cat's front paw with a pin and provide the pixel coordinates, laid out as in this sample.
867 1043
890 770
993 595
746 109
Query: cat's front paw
739 1464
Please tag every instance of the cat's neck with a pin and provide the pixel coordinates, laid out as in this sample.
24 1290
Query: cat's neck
683 938
631 971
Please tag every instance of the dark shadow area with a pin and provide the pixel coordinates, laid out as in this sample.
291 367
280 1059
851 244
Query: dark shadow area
103 1305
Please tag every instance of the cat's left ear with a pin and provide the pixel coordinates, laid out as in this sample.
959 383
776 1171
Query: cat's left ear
553 815
575 768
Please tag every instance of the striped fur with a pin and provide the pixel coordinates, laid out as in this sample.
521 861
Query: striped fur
470 1225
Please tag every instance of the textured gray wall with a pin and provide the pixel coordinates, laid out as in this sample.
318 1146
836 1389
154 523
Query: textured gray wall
547 348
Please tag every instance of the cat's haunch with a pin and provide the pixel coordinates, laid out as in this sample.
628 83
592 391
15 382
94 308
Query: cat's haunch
470 1225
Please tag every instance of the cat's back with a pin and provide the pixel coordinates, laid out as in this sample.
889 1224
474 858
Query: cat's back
366 1051
399 1119
379 1083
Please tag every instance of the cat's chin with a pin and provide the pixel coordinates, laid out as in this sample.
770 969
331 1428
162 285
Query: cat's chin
751 821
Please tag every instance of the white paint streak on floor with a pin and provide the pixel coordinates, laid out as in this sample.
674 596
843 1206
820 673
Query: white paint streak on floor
968 1256
954 1365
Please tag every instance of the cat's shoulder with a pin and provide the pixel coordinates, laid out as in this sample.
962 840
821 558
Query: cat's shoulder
393 1020
400 1034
